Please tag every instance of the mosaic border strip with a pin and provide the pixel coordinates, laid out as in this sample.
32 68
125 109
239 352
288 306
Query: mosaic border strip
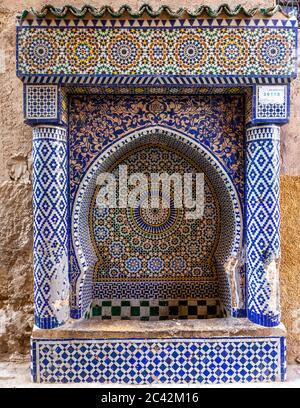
154 81
156 361
159 290
170 23
147 48
155 309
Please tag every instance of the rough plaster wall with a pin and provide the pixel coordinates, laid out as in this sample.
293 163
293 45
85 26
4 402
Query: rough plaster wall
15 190
290 135
290 247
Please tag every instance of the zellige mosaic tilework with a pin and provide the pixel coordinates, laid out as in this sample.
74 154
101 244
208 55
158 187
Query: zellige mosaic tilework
50 206
139 52
156 51
159 361
263 224
155 110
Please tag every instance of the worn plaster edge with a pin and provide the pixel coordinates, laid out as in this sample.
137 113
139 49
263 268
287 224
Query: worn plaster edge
212 328
48 10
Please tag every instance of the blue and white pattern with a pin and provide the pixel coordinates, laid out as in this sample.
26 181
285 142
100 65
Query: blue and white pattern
157 290
155 264
168 81
133 264
159 361
41 102
101 233
263 224
50 205
116 249
271 104
176 22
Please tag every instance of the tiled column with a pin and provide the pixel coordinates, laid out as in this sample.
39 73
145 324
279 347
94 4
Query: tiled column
50 205
263 224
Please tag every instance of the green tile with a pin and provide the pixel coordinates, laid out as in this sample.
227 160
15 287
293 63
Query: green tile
144 302
145 318
125 303
135 311
154 311
116 311
96 311
106 303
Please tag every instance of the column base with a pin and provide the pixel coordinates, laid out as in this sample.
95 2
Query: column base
263 320
132 352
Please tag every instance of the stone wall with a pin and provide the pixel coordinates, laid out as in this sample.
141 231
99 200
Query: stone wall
16 289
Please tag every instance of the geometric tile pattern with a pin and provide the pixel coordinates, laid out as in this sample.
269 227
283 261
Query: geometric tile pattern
41 102
116 50
155 290
151 245
154 309
160 23
160 90
271 103
159 361
50 204
167 81
263 224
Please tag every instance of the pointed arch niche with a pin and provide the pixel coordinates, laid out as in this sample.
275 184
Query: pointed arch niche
225 224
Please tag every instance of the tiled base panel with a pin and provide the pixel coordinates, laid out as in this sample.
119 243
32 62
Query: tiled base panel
155 309
157 360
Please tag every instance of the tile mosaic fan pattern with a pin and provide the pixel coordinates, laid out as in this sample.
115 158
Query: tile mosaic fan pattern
155 243
146 245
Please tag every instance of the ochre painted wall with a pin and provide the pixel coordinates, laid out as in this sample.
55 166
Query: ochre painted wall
16 289
290 261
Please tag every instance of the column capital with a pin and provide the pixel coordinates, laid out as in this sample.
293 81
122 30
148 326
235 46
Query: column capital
271 104
47 132
44 104
262 132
